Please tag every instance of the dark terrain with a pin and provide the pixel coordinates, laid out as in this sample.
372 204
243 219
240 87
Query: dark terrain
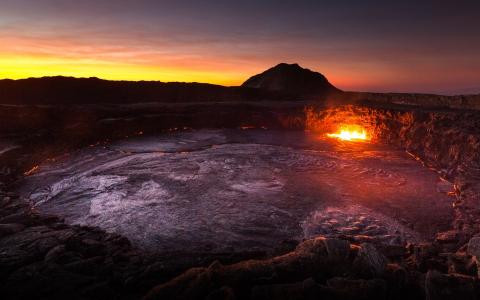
46 120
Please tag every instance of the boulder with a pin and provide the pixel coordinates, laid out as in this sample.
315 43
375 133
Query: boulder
440 286
474 247
345 288
369 261
7 229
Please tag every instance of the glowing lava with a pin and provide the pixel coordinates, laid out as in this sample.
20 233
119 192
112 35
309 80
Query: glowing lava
350 135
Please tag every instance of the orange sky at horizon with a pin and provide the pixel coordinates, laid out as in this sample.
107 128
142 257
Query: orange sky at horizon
33 57
359 46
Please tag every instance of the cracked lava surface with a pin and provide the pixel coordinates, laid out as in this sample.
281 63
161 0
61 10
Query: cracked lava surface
243 190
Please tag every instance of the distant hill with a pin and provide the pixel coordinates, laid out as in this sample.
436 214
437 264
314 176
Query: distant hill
292 79
284 82
69 90
281 83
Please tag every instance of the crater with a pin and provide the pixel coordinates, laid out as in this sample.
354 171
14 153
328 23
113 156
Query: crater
242 190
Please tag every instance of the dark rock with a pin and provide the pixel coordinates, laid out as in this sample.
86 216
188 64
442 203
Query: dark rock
21 217
43 245
12 258
26 272
291 79
55 254
101 290
337 250
223 293
309 259
392 251
422 254
308 289
7 229
447 237
462 263
86 266
360 238
440 286
369 261
474 247
343 288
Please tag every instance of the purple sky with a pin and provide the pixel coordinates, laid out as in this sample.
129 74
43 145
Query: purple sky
407 46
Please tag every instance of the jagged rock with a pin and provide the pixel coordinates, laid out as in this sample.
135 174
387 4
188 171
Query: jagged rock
55 254
462 263
474 247
447 237
86 266
310 259
369 261
7 229
392 251
474 250
307 289
337 250
22 217
101 290
422 255
223 293
440 286
343 288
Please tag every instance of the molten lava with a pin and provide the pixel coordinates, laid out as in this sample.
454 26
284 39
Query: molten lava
350 134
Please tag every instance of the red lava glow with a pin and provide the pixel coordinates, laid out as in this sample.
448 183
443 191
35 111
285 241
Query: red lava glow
31 171
350 133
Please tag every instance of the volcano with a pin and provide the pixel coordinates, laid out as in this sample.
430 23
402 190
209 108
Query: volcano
292 79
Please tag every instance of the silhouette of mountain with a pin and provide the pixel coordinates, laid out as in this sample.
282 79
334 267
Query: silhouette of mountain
292 79
69 90
281 83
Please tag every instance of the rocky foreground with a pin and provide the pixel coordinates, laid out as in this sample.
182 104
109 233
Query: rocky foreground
42 257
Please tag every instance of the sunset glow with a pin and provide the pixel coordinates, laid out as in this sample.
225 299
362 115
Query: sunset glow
16 67
429 51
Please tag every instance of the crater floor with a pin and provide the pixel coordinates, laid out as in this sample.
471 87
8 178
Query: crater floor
243 190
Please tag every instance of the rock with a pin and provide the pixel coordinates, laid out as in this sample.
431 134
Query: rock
360 238
5 201
337 250
310 259
349 230
462 263
85 266
101 290
369 261
474 250
7 229
447 237
223 293
396 274
308 289
440 286
343 288
11 258
55 254
21 217
43 245
421 255
474 247
392 251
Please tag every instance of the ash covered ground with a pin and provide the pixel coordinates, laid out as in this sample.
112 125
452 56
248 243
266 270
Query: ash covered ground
239 190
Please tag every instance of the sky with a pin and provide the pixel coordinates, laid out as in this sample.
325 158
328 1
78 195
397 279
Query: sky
367 45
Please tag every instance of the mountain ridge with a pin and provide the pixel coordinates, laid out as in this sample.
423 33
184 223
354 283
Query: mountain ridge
292 79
